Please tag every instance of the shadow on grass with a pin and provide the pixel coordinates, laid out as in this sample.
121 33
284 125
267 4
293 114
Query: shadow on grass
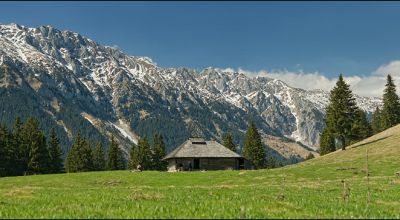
370 142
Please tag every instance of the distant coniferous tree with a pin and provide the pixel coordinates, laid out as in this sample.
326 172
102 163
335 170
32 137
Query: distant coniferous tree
79 157
115 160
361 128
56 161
144 154
326 142
271 162
134 160
3 158
6 153
310 156
158 153
19 148
253 149
376 123
39 157
341 112
228 142
391 105
99 161
24 138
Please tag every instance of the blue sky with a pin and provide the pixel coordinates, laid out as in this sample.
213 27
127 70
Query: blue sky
353 38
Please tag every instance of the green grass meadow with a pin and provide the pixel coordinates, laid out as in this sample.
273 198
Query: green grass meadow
312 189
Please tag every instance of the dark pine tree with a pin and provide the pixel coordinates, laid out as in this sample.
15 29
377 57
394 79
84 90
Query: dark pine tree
310 156
56 160
253 149
159 153
144 154
23 137
341 112
6 152
228 142
39 157
271 162
20 148
134 160
99 161
115 160
376 123
326 142
79 157
391 105
361 128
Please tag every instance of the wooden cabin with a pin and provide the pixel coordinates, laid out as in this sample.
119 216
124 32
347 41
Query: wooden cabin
198 154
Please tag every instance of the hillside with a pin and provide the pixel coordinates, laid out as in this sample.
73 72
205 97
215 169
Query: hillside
311 189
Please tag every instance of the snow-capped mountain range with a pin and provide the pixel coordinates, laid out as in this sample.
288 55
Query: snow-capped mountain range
130 96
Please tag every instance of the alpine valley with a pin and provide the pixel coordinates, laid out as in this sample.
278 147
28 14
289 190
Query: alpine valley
74 84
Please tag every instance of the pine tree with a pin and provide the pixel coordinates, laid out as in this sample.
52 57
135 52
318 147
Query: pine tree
361 128
20 149
271 162
391 105
141 155
326 142
376 123
99 161
23 137
145 153
158 153
79 157
134 160
341 112
39 157
6 152
115 160
253 149
56 161
310 156
228 142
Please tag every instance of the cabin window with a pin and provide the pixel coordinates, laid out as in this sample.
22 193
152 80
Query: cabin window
199 142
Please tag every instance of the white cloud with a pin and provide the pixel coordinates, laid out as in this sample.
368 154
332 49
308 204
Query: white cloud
371 85
392 68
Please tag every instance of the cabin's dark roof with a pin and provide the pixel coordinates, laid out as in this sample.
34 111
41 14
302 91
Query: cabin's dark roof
199 148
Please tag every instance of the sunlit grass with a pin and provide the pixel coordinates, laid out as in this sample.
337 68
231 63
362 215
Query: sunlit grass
312 189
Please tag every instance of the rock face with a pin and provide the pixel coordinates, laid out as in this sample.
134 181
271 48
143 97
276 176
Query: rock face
72 79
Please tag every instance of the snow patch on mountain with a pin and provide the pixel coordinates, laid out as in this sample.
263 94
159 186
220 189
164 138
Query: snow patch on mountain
124 129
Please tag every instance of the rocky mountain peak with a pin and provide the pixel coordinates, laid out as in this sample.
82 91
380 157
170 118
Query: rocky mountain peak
132 96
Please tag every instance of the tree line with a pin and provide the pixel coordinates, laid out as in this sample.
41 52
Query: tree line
25 150
346 123
82 157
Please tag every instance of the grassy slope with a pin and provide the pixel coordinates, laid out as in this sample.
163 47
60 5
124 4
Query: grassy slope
312 189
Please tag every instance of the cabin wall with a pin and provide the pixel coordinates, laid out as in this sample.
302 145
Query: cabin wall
204 164
172 165
219 164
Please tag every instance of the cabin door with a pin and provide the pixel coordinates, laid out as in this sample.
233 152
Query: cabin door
196 164
241 163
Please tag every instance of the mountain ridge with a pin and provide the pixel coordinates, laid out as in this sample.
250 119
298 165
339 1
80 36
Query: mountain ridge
132 96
